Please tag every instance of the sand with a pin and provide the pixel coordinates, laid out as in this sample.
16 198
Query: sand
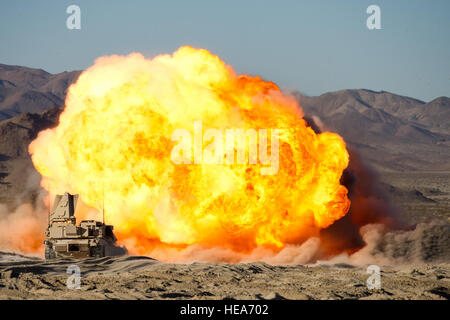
133 277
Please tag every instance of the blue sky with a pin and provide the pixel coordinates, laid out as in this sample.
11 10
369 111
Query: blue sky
310 46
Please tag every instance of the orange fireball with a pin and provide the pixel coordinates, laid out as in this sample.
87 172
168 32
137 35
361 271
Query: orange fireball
114 141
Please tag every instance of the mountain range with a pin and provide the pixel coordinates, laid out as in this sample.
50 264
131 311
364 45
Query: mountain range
31 90
392 132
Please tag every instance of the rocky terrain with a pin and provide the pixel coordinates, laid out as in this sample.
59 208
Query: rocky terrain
31 90
145 278
414 264
391 132
19 181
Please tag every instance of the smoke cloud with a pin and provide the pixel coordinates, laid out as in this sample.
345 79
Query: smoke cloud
23 229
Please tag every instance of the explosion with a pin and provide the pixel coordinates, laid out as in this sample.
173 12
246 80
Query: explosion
114 142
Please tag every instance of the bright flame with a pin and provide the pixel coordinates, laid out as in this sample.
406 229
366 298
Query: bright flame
113 145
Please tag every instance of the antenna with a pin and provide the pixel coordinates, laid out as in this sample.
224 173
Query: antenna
103 206
48 209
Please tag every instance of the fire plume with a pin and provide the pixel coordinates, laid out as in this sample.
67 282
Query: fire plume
113 146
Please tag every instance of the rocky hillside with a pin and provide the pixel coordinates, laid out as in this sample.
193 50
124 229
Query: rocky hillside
31 90
392 132
19 181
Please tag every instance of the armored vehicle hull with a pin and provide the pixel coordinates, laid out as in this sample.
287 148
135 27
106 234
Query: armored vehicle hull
65 239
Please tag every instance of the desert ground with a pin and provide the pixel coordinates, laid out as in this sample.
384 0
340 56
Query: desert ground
145 278
423 274
424 195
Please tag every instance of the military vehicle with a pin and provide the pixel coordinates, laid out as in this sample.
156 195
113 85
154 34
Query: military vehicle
63 238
